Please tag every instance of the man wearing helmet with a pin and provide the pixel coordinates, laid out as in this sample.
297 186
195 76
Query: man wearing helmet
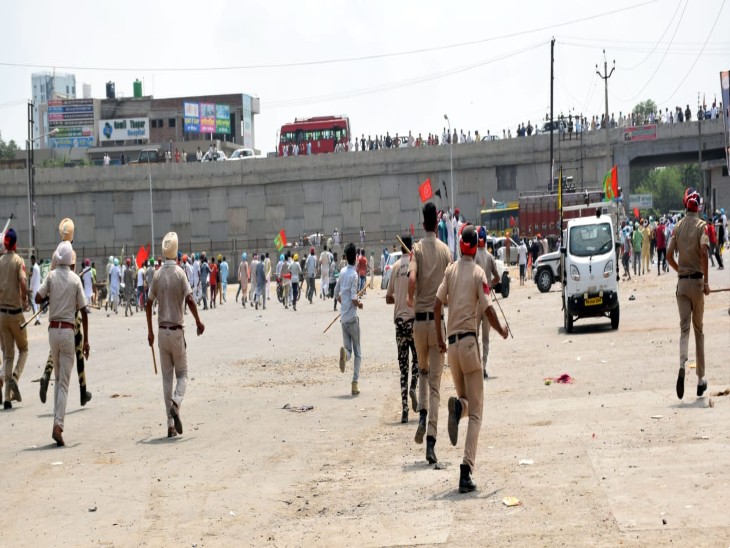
691 243
13 300
465 289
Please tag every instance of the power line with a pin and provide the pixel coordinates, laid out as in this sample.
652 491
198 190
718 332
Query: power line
337 60
687 73
658 41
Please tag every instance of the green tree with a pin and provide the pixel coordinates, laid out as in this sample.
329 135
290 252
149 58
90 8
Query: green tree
7 150
645 108
667 185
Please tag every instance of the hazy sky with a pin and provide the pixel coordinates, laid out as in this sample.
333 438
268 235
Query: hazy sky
485 63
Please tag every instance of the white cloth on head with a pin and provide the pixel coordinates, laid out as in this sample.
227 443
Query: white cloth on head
64 254
169 245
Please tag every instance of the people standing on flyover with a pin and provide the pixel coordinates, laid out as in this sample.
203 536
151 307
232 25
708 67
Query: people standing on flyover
65 294
691 243
13 301
346 292
170 288
404 317
464 288
485 260
425 272
243 277
310 269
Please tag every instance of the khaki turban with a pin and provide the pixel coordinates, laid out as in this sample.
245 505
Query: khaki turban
169 245
66 230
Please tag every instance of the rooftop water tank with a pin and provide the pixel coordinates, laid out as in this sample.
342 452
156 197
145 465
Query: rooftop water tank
137 89
110 93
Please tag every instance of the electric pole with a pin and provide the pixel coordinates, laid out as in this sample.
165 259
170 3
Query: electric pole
605 76
552 64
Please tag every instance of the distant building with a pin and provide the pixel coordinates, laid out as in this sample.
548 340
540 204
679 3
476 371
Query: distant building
48 86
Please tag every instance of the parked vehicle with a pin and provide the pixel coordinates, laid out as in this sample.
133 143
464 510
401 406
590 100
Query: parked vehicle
388 269
214 156
590 278
242 154
546 271
504 280
151 155
496 245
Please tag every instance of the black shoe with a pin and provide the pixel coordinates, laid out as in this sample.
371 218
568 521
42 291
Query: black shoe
404 416
701 388
85 397
45 380
421 430
414 399
7 405
176 418
14 391
680 383
454 418
486 375
430 453
466 485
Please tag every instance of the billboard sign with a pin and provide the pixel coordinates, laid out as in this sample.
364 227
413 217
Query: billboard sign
725 89
73 121
192 117
223 119
642 201
124 129
640 133
207 117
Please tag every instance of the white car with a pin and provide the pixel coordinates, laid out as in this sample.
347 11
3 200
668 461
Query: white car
392 258
242 154
216 156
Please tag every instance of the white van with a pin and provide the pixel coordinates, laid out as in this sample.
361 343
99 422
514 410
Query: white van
590 273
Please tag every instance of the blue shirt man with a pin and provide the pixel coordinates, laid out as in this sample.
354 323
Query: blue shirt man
346 292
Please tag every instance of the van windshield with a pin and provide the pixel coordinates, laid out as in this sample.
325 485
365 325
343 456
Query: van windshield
588 240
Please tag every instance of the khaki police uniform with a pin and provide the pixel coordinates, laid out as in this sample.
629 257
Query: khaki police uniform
484 259
65 296
170 287
430 258
12 272
690 242
463 289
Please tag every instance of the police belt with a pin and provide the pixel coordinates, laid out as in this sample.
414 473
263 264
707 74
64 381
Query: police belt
695 276
424 316
11 310
459 336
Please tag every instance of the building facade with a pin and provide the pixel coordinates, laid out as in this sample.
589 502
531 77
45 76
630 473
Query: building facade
48 86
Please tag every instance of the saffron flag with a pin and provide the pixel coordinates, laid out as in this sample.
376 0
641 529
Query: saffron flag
142 256
610 184
425 191
280 241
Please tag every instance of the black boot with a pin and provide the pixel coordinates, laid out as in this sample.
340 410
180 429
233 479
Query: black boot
404 416
466 485
45 379
421 430
85 397
430 453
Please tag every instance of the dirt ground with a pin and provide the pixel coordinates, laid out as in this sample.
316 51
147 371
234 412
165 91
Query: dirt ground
615 457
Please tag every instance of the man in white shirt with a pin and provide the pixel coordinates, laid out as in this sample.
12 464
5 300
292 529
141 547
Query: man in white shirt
522 260
311 271
35 284
324 263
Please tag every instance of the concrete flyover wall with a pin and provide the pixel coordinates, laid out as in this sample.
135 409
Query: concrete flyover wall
214 204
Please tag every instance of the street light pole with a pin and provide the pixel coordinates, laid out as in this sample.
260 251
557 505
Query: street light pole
605 76
152 209
451 160
31 176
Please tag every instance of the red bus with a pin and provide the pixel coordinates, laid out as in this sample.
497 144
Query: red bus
325 133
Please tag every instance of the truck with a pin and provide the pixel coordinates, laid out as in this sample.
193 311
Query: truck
590 270
539 213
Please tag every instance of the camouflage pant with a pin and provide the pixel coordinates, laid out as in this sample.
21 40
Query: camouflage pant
404 340
80 360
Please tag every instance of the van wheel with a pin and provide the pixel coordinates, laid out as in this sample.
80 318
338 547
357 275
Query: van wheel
505 285
614 318
544 280
568 321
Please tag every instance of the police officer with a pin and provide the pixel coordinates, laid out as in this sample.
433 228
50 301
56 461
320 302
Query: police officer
171 289
13 301
430 258
464 288
484 259
691 243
